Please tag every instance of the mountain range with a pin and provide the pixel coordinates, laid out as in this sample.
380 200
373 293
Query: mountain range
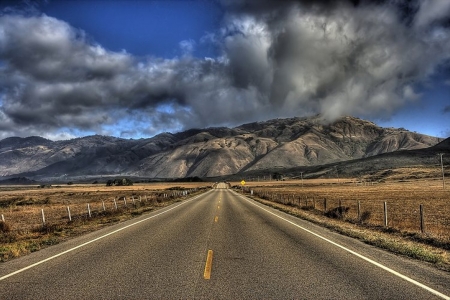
212 152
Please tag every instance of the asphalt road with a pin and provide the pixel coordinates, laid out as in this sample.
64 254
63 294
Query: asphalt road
218 245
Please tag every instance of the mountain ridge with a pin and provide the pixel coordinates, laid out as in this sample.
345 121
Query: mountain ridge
209 152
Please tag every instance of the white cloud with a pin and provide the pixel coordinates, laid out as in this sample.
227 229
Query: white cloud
431 11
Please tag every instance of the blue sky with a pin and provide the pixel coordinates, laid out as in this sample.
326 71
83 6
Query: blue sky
133 69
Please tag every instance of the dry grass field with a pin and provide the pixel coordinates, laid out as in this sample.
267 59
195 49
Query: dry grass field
403 200
23 229
403 233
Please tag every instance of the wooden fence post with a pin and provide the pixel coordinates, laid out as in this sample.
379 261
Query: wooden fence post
359 211
103 205
324 205
115 203
89 210
68 212
422 221
43 216
3 218
385 215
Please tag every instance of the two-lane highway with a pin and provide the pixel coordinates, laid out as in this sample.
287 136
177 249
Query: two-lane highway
218 245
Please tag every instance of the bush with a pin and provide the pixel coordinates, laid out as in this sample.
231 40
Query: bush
119 182
365 216
338 212
4 227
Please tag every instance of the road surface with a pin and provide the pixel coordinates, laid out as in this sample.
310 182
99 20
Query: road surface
218 245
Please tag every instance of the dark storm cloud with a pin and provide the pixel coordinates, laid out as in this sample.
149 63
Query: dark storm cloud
278 59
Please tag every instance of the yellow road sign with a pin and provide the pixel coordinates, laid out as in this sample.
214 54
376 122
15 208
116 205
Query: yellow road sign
243 182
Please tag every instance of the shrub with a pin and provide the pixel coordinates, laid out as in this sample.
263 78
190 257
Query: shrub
119 182
338 212
365 216
4 227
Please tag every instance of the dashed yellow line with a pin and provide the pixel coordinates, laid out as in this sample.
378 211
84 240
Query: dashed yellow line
216 219
208 265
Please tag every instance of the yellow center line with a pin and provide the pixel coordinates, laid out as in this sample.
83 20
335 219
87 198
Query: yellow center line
208 265
216 219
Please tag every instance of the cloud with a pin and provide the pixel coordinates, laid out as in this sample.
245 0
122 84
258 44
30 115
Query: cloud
446 109
187 46
276 60
432 11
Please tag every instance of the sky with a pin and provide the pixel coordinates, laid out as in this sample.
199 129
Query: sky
134 69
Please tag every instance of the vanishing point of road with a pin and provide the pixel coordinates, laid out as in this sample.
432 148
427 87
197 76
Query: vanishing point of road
218 245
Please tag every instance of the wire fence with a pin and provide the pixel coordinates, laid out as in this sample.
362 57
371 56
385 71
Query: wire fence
25 216
416 216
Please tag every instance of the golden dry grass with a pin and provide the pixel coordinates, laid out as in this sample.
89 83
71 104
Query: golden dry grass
403 200
21 206
403 194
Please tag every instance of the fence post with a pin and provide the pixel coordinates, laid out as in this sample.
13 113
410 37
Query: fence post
43 216
68 212
125 200
385 215
359 211
3 218
324 205
103 205
115 203
89 210
422 222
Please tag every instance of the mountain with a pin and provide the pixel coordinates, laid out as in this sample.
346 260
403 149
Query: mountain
210 152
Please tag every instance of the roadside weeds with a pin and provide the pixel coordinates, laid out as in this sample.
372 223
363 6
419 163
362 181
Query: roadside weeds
390 240
14 244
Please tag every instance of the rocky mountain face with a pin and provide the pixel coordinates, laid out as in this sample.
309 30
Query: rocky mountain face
210 152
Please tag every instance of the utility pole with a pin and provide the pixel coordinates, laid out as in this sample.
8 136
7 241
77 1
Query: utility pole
442 169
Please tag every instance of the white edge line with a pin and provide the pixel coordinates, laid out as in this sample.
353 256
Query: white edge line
354 253
94 240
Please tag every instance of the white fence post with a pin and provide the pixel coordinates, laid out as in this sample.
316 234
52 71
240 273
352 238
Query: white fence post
115 203
103 205
43 216
125 201
68 212
3 218
89 210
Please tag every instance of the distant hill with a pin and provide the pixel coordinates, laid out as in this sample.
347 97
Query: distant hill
249 148
17 181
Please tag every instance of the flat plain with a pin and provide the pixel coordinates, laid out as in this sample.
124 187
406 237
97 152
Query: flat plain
22 207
